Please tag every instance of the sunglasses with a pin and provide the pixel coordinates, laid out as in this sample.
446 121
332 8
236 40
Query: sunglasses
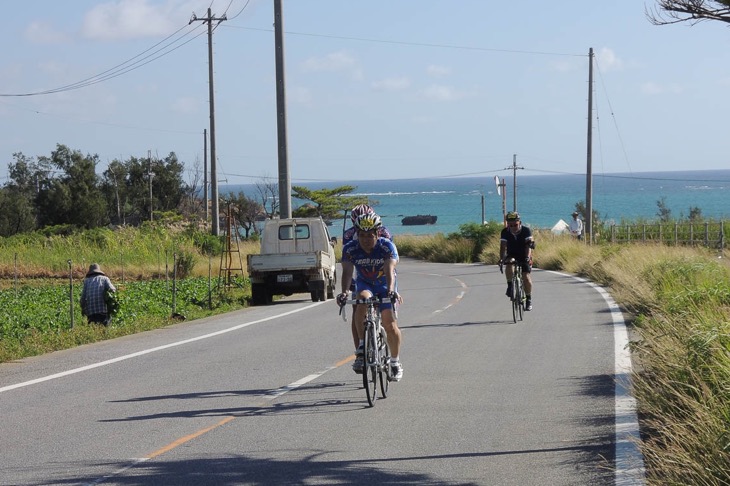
512 224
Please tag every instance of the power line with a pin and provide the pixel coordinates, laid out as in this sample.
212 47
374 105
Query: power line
415 44
122 68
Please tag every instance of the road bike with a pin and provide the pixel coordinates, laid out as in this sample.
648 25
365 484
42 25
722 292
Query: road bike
376 352
518 296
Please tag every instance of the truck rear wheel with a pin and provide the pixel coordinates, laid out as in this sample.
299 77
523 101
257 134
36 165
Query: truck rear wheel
260 294
331 287
318 295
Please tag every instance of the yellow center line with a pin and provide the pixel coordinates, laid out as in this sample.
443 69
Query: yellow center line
188 438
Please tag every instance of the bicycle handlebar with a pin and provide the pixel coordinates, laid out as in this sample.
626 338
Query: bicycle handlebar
369 300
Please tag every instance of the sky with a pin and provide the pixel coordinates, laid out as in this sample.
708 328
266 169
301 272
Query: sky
380 89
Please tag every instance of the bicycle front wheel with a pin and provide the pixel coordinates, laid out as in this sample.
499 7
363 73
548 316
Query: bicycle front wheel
515 299
370 370
521 300
384 372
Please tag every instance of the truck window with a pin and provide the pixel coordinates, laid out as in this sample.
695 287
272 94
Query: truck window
286 232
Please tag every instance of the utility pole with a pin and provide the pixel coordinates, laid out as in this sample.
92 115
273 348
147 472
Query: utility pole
284 177
215 219
514 168
149 176
589 161
205 175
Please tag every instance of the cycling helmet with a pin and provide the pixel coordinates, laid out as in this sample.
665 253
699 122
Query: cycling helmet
359 210
368 222
513 216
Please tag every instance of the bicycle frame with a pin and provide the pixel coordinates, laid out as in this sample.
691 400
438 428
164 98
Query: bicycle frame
518 289
375 348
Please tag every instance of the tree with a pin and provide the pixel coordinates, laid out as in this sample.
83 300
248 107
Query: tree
245 210
692 11
269 195
74 197
664 213
17 212
114 187
17 206
326 203
695 213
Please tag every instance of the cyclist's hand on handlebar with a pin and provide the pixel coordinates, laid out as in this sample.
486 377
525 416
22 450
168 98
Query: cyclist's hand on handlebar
395 297
342 299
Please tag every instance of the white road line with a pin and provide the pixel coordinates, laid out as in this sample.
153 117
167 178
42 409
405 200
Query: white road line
629 460
148 351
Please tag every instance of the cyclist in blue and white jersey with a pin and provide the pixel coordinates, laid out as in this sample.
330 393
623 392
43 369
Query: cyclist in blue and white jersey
348 235
516 242
374 259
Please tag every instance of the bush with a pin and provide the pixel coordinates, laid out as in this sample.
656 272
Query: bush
478 234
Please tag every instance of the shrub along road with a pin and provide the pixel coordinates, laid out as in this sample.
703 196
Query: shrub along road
266 395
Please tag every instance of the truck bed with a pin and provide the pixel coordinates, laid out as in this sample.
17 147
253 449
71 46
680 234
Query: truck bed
290 261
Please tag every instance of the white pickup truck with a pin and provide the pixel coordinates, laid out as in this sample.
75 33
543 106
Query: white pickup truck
297 255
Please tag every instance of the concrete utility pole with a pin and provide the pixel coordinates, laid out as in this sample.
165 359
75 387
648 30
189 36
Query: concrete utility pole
215 219
514 168
205 176
149 176
284 177
589 161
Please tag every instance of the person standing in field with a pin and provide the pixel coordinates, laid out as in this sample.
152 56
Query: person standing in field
93 295
576 226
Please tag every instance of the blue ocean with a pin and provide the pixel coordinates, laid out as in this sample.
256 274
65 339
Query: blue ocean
542 200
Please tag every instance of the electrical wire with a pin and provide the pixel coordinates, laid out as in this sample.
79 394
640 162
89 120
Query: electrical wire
121 68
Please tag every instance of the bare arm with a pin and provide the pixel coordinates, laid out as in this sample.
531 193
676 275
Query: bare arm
389 269
347 271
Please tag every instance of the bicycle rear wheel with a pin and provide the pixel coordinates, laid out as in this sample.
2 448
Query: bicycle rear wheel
370 369
384 372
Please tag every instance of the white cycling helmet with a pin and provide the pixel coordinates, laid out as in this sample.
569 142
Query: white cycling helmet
368 222
359 210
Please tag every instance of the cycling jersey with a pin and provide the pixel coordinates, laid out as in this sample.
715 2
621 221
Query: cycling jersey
517 243
369 267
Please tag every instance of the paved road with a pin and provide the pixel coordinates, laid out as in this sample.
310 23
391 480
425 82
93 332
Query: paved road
266 396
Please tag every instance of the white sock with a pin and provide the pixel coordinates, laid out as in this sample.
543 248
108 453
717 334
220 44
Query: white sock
394 359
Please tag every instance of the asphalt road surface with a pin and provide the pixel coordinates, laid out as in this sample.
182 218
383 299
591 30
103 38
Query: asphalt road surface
267 396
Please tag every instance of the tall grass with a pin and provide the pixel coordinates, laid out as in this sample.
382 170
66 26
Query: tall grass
124 253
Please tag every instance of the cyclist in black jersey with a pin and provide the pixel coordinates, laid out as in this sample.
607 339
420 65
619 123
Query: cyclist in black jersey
516 242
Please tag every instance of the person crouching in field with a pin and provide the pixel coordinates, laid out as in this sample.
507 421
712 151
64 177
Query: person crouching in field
93 295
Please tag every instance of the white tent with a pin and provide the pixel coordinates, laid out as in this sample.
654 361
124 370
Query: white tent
560 227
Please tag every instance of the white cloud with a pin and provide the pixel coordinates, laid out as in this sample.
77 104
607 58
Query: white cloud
336 61
339 61
300 95
186 105
652 88
43 33
423 119
131 19
438 71
442 93
392 84
608 61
